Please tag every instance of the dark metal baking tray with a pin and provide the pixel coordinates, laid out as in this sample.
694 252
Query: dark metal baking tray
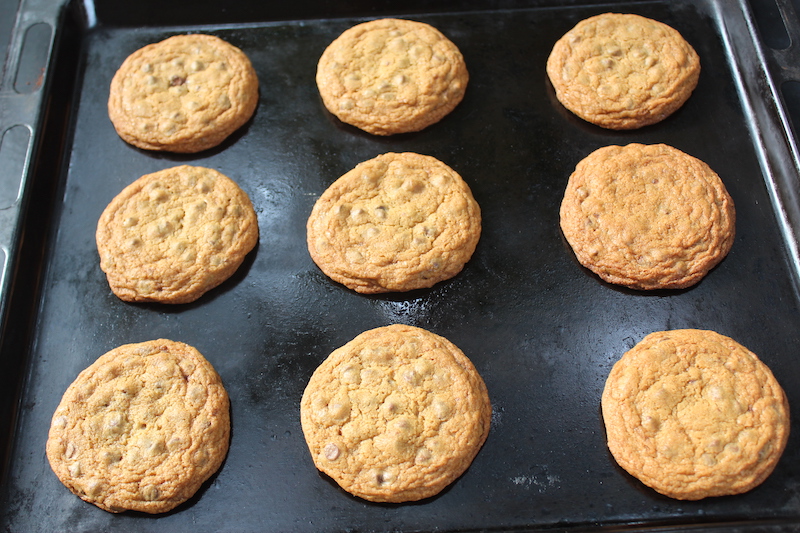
542 331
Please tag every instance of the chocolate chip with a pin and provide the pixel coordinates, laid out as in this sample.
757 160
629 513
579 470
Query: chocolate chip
331 452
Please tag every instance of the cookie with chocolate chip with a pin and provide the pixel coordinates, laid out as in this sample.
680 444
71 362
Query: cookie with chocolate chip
184 94
395 415
397 222
391 76
173 235
694 414
647 216
623 71
141 428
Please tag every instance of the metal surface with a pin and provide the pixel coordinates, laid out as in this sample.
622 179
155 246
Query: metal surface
542 331
27 42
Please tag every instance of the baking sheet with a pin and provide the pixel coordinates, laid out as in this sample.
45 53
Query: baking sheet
542 331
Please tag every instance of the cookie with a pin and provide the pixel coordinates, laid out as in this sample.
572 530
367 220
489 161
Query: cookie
391 76
623 71
647 216
142 428
173 235
395 415
398 222
185 94
694 414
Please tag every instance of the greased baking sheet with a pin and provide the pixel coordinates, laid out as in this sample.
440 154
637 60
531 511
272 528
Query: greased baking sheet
542 331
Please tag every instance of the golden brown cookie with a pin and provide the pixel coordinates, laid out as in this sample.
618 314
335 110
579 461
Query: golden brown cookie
647 216
185 94
694 414
623 71
391 76
397 222
173 235
141 428
396 414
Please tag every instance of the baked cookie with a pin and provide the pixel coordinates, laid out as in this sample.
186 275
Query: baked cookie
141 428
694 414
395 415
647 216
394 223
623 71
391 76
185 94
173 235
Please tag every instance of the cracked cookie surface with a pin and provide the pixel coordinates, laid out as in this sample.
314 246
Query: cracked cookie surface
396 414
141 428
397 222
184 94
173 235
694 414
391 76
623 71
647 216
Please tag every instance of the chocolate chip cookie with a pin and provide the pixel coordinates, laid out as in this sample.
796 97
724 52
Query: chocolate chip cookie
391 76
647 216
396 414
398 222
694 414
623 71
173 235
141 428
184 94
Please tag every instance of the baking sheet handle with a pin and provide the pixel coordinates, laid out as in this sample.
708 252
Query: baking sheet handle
21 97
760 72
